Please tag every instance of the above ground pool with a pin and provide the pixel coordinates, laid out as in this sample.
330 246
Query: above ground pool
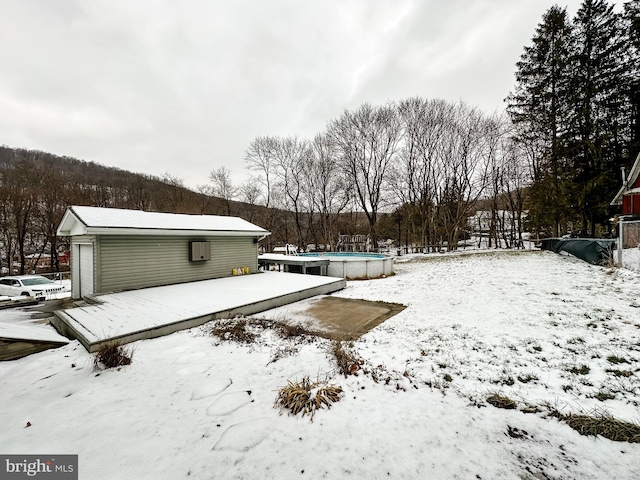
356 266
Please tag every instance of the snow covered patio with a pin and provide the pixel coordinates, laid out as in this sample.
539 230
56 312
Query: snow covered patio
157 311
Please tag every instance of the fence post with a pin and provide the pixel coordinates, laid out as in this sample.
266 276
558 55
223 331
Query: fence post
620 245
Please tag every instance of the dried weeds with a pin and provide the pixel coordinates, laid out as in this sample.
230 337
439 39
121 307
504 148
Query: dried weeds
500 401
234 330
112 355
347 360
602 423
307 397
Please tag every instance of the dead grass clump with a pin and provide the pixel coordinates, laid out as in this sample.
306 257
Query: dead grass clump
307 397
289 331
500 401
602 423
528 377
233 330
604 395
581 370
616 360
282 352
530 409
112 355
346 359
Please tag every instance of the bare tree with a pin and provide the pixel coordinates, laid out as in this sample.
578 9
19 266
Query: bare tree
516 179
416 174
20 185
54 197
464 163
170 194
7 230
260 158
292 158
250 195
496 178
367 141
327 189
222 186
138 194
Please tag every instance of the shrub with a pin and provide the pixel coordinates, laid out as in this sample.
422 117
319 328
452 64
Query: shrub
307 397
112 355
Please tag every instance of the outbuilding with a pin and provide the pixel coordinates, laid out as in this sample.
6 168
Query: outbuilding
114 249
629 194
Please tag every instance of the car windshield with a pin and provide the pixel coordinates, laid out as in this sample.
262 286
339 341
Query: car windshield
29 282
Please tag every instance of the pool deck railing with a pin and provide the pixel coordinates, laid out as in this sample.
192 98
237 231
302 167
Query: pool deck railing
298 261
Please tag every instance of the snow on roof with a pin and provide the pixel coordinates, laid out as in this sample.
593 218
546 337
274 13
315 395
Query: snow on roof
80 220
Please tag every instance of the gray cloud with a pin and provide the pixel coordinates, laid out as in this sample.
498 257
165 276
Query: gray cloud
183 87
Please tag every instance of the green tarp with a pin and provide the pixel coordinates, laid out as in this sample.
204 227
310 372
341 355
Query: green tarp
597 251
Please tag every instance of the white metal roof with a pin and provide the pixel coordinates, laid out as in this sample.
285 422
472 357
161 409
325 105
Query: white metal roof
80 220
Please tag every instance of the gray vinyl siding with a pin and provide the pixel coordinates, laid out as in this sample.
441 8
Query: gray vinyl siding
129 262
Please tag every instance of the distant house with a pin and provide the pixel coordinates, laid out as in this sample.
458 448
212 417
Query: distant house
629 194
483 221
38 260
501 223
114 249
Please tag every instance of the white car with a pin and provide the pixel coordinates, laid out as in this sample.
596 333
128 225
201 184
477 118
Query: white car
35 286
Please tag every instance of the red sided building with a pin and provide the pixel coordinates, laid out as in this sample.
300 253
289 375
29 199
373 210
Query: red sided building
629 195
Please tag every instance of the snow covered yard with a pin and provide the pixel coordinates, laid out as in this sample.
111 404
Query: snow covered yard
544 330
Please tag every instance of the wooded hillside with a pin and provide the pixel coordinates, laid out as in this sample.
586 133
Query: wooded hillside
36 188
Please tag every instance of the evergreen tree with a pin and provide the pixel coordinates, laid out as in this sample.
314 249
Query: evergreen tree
632 27
538 106
599 132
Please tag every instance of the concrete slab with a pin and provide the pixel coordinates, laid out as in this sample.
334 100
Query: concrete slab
347 318
152 312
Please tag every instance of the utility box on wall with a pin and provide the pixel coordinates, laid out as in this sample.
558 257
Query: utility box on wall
199 251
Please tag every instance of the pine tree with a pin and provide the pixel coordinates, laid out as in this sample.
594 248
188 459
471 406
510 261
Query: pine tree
538 106
632 28
599 131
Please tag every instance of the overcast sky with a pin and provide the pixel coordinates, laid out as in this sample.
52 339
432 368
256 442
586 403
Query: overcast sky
184 86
